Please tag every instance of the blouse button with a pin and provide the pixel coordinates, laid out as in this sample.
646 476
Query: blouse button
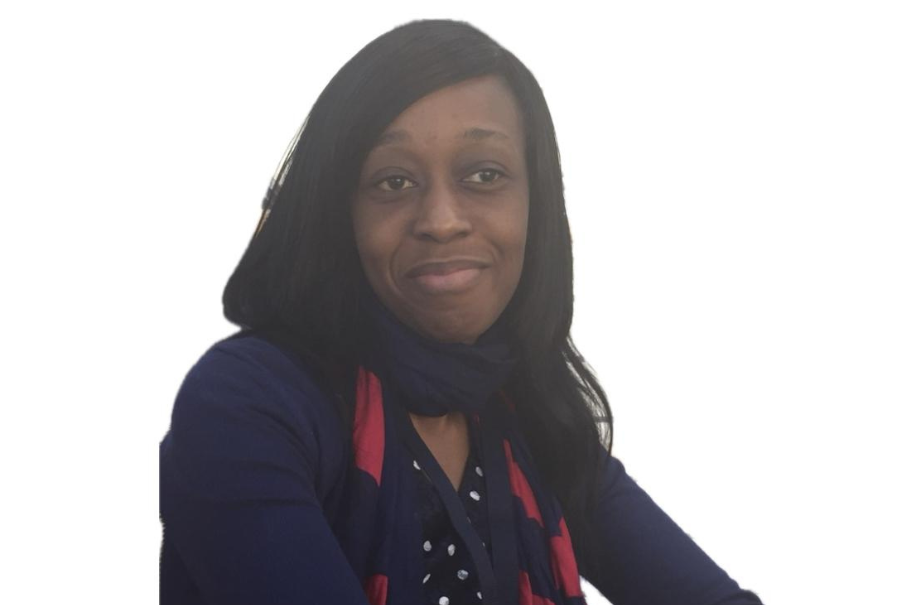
427 546
462 574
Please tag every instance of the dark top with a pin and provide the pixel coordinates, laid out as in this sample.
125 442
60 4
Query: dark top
251 478
449 570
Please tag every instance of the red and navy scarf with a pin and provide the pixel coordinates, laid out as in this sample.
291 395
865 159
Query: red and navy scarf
532 557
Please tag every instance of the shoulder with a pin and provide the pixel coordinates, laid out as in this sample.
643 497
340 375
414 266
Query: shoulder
254 357
246 368
248 394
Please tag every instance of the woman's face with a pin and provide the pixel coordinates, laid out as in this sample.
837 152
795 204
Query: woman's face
441 210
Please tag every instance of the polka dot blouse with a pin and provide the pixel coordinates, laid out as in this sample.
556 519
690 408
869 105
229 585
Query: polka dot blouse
450 575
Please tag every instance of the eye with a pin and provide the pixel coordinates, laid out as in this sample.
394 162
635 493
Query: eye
484 176
395 183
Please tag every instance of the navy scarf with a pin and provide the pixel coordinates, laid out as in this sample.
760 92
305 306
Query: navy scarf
533 562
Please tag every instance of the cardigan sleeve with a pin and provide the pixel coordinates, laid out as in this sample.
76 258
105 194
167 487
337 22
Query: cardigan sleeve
243 469
645 558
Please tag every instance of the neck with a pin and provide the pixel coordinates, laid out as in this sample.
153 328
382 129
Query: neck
437 425
447 439
435 378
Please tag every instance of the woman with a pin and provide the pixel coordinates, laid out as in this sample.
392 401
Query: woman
403 418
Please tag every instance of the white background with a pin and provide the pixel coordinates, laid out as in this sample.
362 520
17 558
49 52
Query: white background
734 177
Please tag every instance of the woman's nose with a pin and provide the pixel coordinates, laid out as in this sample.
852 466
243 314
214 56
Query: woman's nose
441 215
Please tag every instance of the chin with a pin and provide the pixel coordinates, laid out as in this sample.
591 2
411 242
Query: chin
451 328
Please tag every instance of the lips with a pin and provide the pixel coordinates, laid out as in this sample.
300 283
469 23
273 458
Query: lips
444 267
446 276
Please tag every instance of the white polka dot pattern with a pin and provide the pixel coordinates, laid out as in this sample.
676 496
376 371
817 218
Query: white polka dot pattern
449 576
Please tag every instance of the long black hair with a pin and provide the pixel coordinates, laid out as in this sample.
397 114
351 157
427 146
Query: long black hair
300 279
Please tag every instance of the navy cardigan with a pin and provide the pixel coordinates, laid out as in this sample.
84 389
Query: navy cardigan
252 472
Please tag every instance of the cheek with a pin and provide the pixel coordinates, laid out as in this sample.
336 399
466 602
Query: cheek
375 242
363 239
519 241
517 262
516 234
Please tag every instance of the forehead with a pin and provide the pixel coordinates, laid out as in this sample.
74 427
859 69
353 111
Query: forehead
479 109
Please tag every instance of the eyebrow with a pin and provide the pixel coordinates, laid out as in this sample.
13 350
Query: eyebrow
473 134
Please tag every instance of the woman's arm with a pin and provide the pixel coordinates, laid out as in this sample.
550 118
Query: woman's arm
645 558
243 470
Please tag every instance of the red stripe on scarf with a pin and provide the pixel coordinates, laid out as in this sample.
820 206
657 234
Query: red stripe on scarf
376 589
520 487
525 595
565 569
367 429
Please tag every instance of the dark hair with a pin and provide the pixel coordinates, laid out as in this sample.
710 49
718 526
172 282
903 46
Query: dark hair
301 282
